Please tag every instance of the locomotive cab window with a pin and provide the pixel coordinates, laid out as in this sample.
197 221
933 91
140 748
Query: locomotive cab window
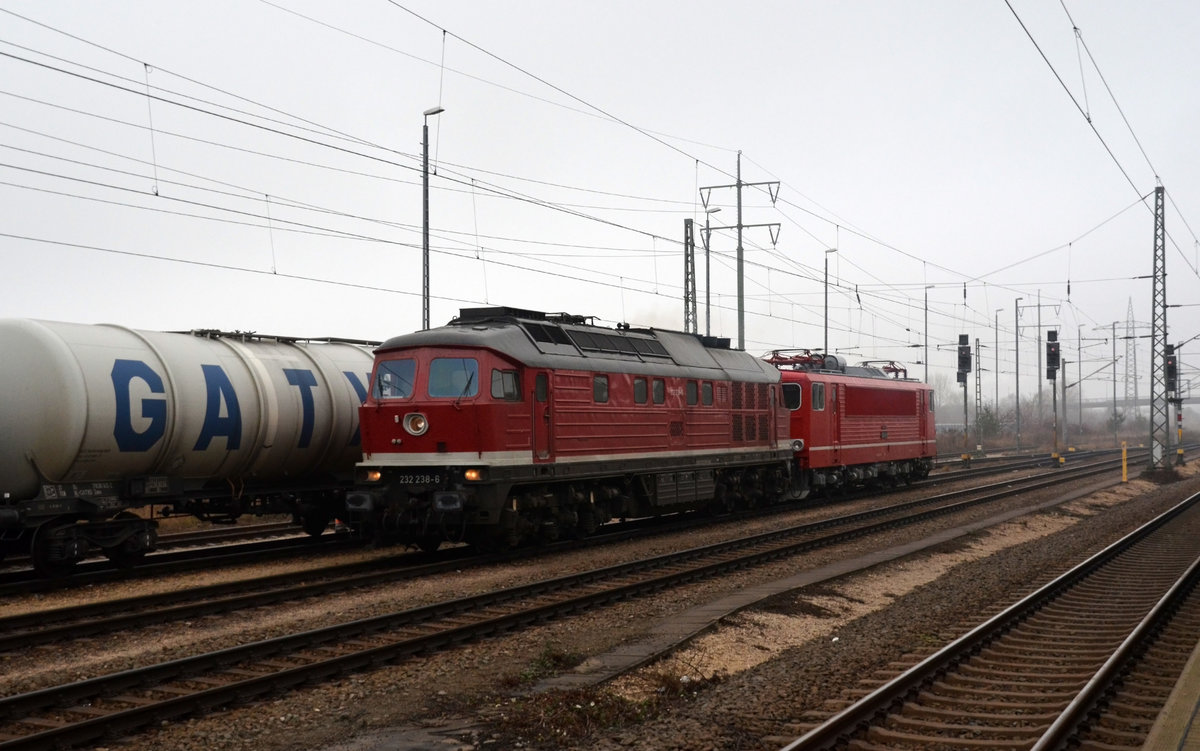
660 391
600 389
693 393
506 385
541 388
706 394
793 396
818 397
640 395
929 397
453 377
394 379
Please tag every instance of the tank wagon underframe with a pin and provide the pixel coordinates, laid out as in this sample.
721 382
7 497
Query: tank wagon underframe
63 522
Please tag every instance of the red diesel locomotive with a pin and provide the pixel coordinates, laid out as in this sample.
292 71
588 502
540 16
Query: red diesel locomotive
855 424
508 426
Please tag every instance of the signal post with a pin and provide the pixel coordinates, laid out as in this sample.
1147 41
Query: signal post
1053 359
964 367
1171 373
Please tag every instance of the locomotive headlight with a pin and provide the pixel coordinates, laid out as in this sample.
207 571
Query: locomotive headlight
372 475
473 475
798 445
415 423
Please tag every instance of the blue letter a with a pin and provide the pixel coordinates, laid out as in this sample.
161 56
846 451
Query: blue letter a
229 426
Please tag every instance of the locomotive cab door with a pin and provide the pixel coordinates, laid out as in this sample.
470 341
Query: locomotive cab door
542 417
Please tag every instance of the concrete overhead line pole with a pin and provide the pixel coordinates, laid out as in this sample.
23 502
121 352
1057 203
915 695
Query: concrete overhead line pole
1017 367
773 191
425 215
996 328
1038 347
978 394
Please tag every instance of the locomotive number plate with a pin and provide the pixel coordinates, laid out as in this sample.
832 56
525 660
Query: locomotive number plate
418 479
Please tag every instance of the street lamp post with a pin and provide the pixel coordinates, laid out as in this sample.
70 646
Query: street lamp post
926 332
827 252
425 215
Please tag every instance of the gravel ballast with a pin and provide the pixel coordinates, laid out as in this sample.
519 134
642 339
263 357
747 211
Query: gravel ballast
744 685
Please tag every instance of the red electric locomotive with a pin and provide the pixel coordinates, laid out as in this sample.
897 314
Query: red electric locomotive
855 425
507 426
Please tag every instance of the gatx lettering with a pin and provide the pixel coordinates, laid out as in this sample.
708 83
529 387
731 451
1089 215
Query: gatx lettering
222 413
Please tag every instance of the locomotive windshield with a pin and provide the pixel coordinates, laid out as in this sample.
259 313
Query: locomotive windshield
394 379
453 377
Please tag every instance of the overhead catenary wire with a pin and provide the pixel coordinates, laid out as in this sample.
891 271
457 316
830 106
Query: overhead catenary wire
674 241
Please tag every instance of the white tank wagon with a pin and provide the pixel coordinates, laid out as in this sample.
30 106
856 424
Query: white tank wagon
98 419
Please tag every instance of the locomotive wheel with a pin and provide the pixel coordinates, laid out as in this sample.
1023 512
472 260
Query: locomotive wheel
587 525
721 504
132 550
54 550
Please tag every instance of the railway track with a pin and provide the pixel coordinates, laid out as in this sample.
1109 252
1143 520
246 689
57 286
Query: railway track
212 550
27 631
85 710
1087 660
194 538
184 553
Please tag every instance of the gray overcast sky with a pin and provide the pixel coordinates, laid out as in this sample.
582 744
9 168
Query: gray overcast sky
271 182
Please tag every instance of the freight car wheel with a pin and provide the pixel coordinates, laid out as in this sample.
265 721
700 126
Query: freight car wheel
314 522
56 548
132 550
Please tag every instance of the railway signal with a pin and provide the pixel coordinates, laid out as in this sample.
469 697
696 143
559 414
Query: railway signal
964 358
1172 369
1053 357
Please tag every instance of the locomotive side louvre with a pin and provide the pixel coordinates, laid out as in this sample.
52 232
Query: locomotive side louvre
100 418
620 426
621 423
